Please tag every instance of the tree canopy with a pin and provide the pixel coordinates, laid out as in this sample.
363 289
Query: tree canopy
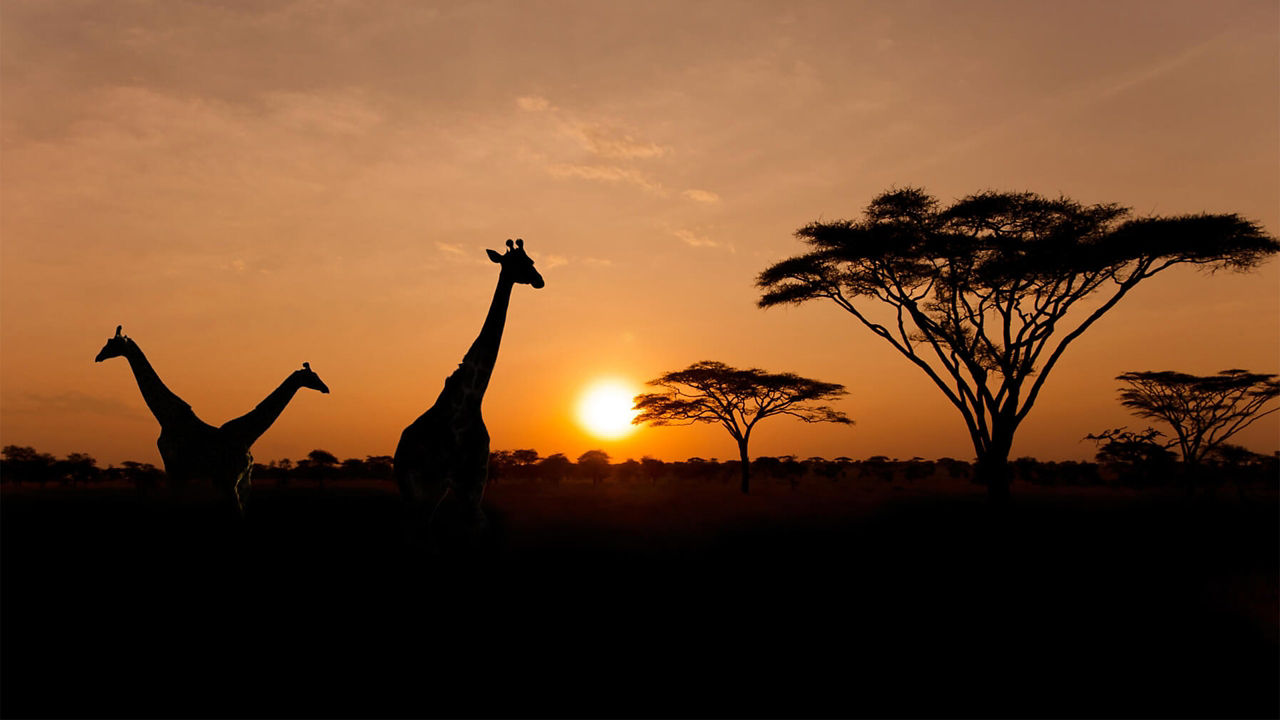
977 294
713 392
595 464
1203 411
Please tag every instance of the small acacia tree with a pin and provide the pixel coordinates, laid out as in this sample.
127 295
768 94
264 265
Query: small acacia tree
1202 410
978 294
553 468
712 392
322 463
594 464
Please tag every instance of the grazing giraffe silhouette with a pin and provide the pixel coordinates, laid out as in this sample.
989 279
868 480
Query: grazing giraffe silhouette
447 447
195 450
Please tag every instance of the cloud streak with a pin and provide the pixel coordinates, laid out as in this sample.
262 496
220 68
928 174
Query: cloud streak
611 143
693 239
607 174
608 151
533 103
701 196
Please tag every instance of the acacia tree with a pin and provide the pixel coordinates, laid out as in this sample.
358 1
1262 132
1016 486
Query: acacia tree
524 457
594 464
1202 410
322 462
712 392
554 467
979 294
78 468
22 463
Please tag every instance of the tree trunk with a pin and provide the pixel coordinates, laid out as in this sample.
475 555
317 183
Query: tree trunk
993 468
1192 473
996 474
746 467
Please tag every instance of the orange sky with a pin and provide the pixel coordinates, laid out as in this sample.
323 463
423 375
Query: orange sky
245 186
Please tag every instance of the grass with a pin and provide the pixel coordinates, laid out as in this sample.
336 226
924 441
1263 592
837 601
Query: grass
836 599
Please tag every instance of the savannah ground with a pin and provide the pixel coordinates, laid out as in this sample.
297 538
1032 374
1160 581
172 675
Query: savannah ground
857 598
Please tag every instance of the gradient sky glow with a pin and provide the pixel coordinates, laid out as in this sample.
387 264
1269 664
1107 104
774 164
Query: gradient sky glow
247 186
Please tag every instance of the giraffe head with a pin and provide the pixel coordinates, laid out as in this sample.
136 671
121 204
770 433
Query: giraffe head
115 346
516 265
308 379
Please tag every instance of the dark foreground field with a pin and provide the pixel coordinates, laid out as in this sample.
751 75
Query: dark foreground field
643 601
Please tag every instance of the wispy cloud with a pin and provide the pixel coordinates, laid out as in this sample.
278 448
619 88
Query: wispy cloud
1134 77
615 153
450 249
702 196
606 173
334 113
533 103
551 262
613 143
693 239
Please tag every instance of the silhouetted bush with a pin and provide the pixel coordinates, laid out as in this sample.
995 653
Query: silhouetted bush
652 469
955 469
1137 459
627 471
554 468
23 464
77 468
379 467
320 465
352 469
144 476
918 469
594 465
877 467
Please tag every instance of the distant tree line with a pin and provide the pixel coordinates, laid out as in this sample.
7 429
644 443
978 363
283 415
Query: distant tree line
1231 464
21 465
1123 458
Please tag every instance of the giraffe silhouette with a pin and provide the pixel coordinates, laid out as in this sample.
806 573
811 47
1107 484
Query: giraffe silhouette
447 447
195 450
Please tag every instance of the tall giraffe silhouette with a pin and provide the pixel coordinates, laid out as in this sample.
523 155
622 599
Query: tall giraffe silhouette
193 449
447 447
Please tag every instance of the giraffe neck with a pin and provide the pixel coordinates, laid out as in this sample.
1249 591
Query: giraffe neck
484 351
161 401
247 428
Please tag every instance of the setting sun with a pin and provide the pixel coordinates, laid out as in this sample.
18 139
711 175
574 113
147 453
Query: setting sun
604 409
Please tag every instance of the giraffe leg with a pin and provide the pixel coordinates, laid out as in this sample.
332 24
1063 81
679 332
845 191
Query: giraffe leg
231 504
425 496
243 485
471 493
240 494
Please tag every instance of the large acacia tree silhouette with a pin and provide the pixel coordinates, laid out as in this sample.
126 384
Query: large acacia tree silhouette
1204 411
978 294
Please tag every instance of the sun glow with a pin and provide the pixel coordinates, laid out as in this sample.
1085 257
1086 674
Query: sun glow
604 409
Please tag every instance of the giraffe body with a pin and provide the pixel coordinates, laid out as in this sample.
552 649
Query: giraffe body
194 450
446 449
